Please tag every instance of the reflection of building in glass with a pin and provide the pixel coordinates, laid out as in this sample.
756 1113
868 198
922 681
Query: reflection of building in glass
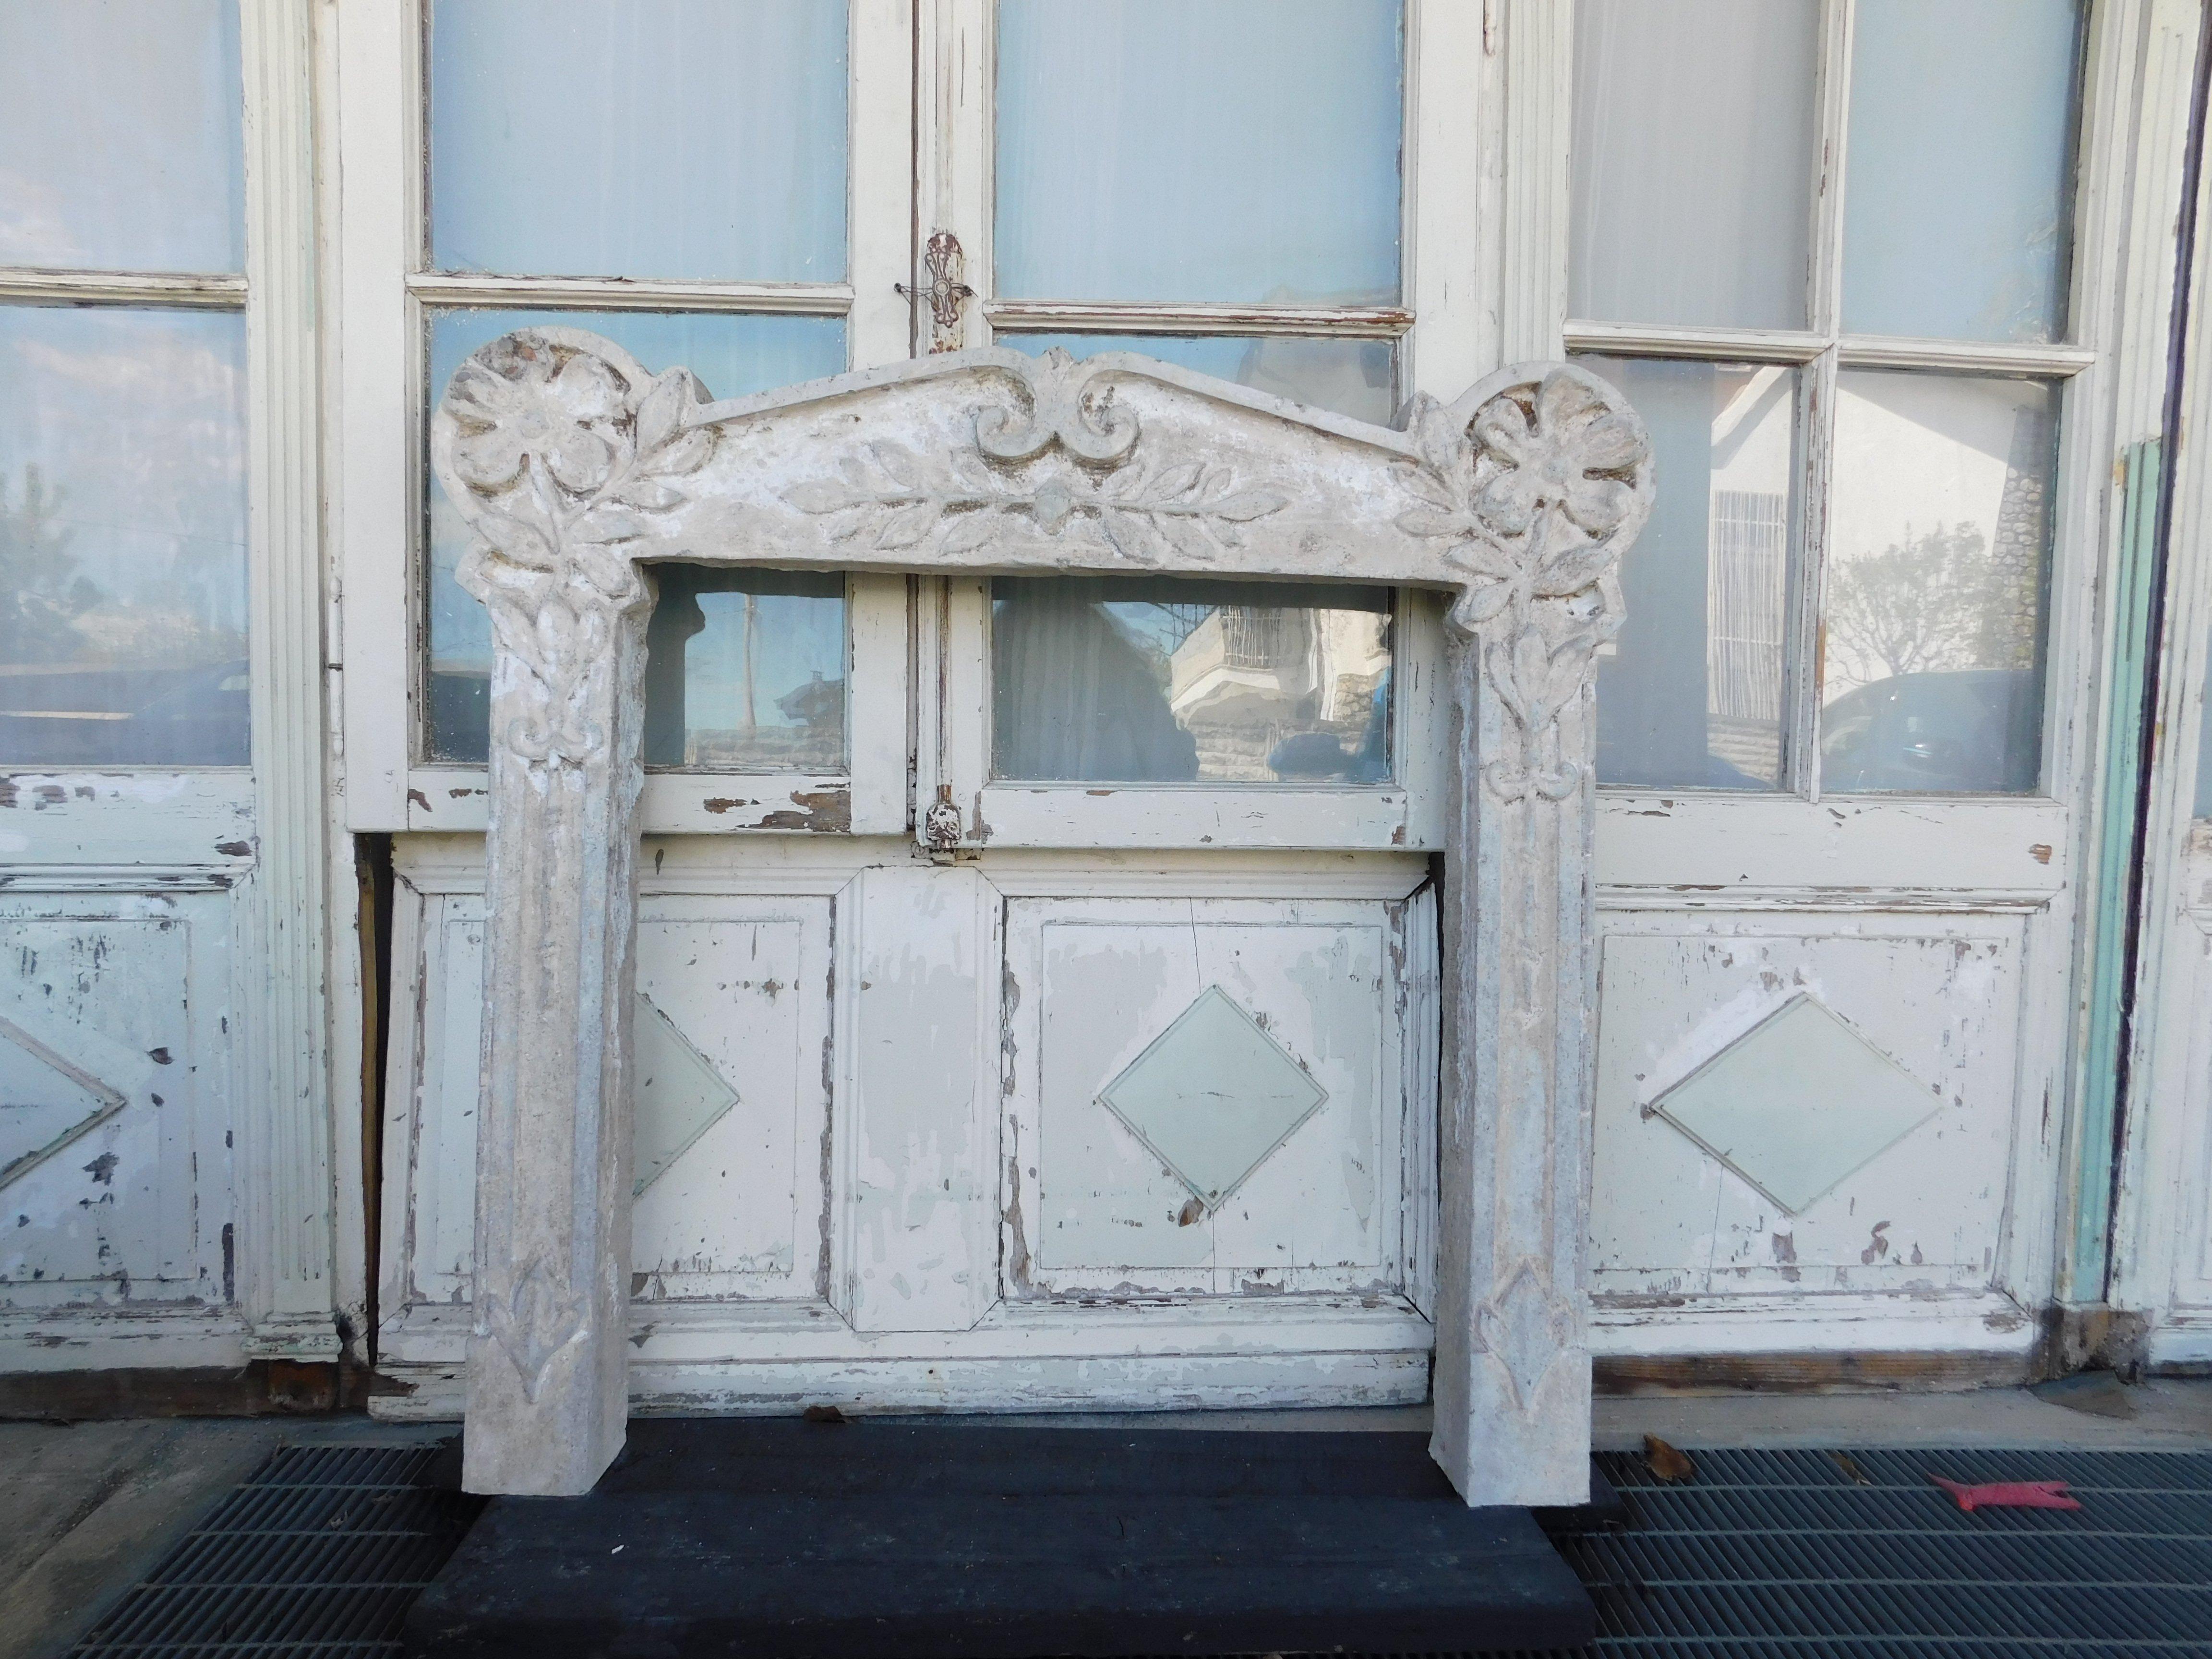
1744 605
1275 692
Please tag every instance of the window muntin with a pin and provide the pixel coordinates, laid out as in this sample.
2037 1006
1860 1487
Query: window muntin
1133 679
1983 301
1939 560
122 143
684 140
122 425
656 138
734 355
1692 689
1960 170
1358 378
1694 156
2203 805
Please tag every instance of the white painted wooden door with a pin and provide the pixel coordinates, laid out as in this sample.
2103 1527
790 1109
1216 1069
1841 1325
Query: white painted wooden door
1847 725
952 899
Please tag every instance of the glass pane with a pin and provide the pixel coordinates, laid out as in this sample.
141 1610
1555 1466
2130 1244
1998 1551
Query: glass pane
1358 378
1240 151
1693 160
654 138
1939 558
122 142
1689 696
1961 168
122 538
746 670
1153 679
733 355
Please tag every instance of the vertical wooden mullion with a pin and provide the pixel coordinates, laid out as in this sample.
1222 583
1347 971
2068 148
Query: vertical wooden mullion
1441 247
284 1099
879 182
1816 400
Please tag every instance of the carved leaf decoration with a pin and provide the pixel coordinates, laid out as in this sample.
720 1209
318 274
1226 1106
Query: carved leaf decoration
1440 524
661 409
1176 481
1247 505
532 1324
525 544
1573 569
1477 605
907 525
1525 1326
968 531
819 496
650 494
899 464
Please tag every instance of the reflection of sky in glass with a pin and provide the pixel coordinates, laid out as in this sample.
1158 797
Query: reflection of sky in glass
652 138
123 550
1358 378
762 684
1957 177
1212 149
732 356
131 424
121 143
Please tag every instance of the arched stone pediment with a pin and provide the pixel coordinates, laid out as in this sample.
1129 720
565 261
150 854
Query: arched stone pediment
578 469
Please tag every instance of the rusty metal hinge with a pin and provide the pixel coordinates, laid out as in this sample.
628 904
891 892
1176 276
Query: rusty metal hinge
943 262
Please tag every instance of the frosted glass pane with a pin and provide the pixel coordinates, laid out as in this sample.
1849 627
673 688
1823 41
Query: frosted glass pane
1960 175
1693 160
652 138
1689 695
746 670
1939 558
1358 378
121 136
1200 149
733 355
122 538
1149 679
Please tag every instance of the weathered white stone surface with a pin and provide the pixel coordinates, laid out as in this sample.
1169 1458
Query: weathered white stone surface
575 466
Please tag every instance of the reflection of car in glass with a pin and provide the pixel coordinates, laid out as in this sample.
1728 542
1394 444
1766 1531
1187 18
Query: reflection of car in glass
71 715
1975 731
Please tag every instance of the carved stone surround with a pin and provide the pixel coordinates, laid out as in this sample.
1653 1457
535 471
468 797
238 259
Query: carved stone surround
575 468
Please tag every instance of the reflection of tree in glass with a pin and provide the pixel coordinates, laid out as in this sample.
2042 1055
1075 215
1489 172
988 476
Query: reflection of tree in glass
38 602
1931 603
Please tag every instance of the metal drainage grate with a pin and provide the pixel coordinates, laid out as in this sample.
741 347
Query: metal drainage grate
320 1553
1855 1555
1765 1555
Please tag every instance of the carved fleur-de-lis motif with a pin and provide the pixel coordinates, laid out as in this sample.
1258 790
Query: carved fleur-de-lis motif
1534 499
562 460
532 1323
1525 1325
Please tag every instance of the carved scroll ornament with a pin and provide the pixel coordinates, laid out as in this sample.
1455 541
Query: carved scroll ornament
575 466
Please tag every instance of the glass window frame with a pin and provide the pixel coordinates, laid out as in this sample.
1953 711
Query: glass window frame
232 292
446 794
1819 352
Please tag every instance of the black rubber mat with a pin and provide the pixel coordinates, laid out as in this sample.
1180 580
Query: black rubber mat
776 1539
1764 1555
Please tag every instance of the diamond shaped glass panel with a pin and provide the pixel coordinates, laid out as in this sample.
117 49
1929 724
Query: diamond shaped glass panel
1797 1103
679 1095
1213 1095
46 1102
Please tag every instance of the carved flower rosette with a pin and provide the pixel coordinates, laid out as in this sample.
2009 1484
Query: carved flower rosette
559 455
1532 501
